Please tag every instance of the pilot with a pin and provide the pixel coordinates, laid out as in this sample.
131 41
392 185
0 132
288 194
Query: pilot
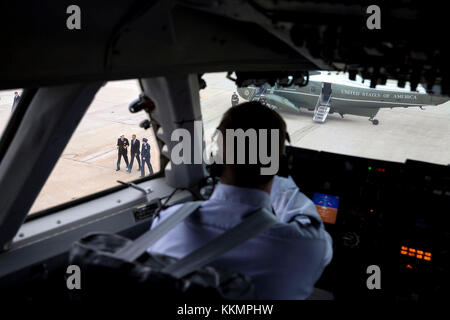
286 260
234 99
135 152
122 145
145 154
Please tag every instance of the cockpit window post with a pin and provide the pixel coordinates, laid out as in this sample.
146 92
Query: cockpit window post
178 107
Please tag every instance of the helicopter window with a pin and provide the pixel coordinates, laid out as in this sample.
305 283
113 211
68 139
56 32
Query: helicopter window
89 162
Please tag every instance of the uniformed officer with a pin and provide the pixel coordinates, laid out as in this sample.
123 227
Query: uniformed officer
16 101
122 147
135 152
234 99
145 154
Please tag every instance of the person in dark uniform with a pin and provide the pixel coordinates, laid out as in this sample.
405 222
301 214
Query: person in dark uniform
234 99
16 101
145 154
135 152
122 147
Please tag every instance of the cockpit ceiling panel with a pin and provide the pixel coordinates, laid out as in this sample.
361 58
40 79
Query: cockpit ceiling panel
129 39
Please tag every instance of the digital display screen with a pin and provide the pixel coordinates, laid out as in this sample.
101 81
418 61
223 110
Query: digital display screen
327 206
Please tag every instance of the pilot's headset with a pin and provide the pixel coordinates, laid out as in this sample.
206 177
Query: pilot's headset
215 169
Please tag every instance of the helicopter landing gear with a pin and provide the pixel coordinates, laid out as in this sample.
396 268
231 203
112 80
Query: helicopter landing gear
374 121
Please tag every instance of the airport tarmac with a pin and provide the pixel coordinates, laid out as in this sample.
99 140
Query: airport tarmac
403 133
89 160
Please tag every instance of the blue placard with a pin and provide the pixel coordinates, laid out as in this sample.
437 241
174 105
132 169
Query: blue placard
325 200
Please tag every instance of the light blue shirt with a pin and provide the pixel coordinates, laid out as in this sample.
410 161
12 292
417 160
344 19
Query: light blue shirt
284 262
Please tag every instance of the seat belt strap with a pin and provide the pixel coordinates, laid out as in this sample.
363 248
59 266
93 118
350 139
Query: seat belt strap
136 248
258 222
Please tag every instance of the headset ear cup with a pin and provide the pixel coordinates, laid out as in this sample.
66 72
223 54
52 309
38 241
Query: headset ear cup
284 169
285 160
288 138
215 169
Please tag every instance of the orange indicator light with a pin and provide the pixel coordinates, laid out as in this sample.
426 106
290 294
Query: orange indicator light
408 266
419 254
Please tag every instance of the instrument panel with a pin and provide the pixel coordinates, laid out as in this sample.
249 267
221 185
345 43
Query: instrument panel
394 216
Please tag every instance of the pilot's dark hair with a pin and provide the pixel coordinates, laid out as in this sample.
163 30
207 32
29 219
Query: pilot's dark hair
256 116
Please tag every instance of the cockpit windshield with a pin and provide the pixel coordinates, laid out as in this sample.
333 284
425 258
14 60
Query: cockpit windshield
385 123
